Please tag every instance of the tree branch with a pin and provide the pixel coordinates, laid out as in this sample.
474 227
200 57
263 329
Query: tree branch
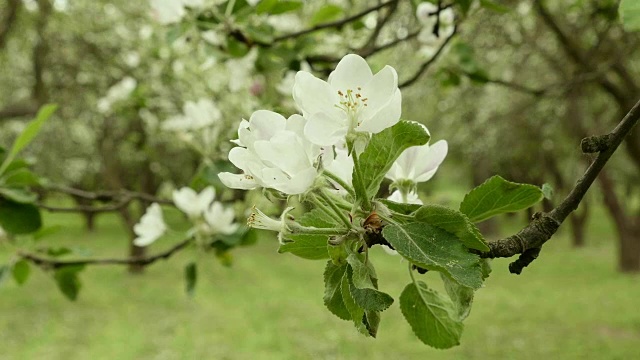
423 68
543 226
52 263
333 24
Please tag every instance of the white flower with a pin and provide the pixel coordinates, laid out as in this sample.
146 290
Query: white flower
410 198
240 70
353 99
150 227
424 11
197 115
219 219
273 153
418 163
445 27
3 234
167 11
342 167
118 92
192 203
259 220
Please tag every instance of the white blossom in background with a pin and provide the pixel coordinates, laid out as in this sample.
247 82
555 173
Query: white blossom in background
410 198
196 115
353 99
241 70
150 227
272 153
193 204
220 220
118 92
172 11
446 27
285 87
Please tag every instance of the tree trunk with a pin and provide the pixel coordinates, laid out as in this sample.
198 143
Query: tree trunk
627 227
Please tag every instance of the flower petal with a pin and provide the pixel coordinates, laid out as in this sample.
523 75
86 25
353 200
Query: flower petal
428 161
325 130
386 116
313 95
238 181
350 73
264 124
299 183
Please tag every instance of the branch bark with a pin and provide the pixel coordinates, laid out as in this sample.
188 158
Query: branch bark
543 226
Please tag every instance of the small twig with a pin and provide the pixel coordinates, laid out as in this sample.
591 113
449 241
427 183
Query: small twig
540 230
333 24
52 263
423 68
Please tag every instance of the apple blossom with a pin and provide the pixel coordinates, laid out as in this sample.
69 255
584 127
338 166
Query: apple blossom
150 227
410 198
342 167
273 153
220 220
196 115
192 203
353 99
259 220
418 163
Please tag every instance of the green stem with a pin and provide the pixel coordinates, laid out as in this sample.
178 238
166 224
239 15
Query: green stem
340 182
343 217
299 229
359 183
324 208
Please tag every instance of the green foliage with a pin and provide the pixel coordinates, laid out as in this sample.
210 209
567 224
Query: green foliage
383 149
311 247
629 11
431 316
29 133
493 6
21 271
363 286
454 222
435 249
498 196
461 296
326 13
17 218
333 275
67 280
275 7
190 277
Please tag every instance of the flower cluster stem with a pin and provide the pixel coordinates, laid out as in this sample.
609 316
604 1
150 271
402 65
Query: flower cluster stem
319 203
341 214
359 182
340 182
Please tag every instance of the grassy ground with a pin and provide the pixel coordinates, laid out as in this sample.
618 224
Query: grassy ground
570 304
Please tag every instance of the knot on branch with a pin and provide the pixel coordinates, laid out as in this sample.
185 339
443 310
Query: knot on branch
532 236
595 144
524 260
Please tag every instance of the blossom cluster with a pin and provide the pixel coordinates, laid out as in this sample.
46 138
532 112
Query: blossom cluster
208 216
315 148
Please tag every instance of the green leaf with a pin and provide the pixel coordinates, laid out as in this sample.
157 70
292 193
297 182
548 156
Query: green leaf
29 133
435 249
265 5
461 296
362 287
431 316
21 271
190 277
464 5
498 196
383 149
46 231
356 313
67 280
328 12
20 177
371 322
400 208
284 6
311 247
493 6
333 275
454 222
4 272
16 218
629 11
318 218
21 196
547 191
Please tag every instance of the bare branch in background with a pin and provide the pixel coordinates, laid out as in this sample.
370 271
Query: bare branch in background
530 239
425 66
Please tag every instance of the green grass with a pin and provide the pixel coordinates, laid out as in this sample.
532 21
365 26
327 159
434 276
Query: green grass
570 304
